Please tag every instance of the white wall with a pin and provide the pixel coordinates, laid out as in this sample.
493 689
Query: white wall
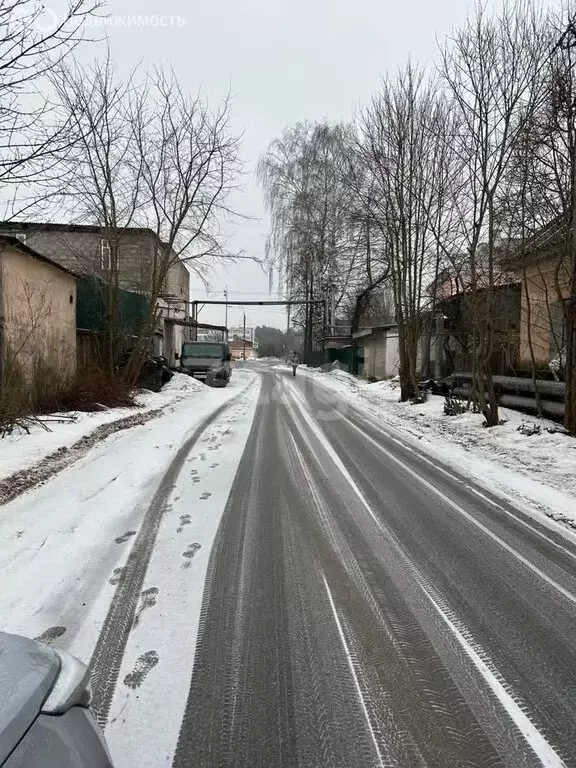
381 357
392 354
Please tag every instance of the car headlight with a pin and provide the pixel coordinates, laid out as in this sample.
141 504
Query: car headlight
72 686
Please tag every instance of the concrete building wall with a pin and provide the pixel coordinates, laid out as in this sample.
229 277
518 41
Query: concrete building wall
238 349
178 281
38 314
134 253
175 334
86 254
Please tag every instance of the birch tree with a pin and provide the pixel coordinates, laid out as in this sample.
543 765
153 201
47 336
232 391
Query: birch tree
314 237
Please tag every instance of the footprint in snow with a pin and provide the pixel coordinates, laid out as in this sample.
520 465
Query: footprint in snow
205 495
148 600
125 536
143 665
184 520
196 479
189 554
49 635
213 466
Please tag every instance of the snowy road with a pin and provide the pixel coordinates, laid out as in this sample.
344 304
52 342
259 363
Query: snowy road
363 608
288 585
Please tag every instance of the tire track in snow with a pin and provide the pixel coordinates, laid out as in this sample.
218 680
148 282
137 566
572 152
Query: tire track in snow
109 650
511 704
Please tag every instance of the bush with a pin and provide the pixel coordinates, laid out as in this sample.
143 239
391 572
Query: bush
421 397
15 396
454 407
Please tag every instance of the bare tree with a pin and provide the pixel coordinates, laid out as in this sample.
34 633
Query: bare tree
493 69
33 41
190 163
369 270
400 145
101 177
549 242
146 155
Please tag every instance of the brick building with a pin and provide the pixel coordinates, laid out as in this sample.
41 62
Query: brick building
96 252
242 349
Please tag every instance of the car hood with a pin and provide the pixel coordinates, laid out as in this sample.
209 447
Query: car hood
27 673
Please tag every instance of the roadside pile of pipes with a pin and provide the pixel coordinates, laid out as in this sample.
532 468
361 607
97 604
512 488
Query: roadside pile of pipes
532 396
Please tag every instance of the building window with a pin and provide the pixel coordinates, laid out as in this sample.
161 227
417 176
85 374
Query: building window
108 261
105 255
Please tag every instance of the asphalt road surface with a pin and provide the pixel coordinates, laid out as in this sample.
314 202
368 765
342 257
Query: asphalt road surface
363 607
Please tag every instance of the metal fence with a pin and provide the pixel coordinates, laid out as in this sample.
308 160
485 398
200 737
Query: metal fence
91 308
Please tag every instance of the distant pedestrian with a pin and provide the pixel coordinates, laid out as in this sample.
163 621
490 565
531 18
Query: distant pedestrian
294 362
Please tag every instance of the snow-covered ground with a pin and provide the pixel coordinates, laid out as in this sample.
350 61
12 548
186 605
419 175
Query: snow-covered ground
158 660
60 543
22 450
538 472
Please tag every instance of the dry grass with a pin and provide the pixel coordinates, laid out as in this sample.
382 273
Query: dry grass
23 398
94 389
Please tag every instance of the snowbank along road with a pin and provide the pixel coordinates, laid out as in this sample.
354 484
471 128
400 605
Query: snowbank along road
300 588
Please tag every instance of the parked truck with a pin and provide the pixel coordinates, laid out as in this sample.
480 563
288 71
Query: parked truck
208 361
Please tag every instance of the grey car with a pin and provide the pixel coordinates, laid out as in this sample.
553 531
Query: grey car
45 719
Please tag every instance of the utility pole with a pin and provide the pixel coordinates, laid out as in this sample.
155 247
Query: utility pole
332 309
288 329
226 310
195 320
244 339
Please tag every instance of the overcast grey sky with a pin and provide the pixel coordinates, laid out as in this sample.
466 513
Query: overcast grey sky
284 61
